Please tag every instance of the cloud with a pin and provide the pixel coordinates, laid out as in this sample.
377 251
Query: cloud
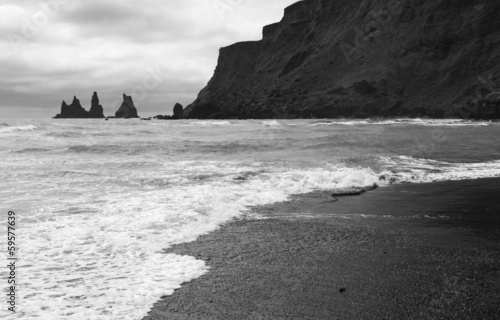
11 14
51 50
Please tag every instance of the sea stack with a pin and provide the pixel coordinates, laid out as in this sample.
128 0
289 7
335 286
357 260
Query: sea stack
127 109
178 111
74 110
96 110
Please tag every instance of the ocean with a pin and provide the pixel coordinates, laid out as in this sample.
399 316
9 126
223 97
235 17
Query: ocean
98 201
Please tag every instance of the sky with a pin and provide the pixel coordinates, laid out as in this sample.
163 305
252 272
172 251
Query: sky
159 51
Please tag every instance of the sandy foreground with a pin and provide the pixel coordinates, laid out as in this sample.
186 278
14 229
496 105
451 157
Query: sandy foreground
428 251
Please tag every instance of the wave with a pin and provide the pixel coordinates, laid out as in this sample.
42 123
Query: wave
374 216
14 129
323 123
335 177
32 150
211 123
271 123
403 169
444 122
116 233
417 122
92 148
67 134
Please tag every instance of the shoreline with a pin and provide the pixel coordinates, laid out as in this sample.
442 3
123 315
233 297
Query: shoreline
416 251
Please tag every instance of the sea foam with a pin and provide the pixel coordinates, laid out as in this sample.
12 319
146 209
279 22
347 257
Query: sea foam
97 254
404 169
400 122
19 128
211 123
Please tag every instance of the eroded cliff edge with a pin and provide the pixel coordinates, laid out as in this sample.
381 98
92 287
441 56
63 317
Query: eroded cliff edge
363 58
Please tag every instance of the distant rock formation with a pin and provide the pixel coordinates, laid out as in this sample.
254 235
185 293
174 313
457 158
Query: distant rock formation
127 109
178 111
363 58
76 111
96 110
161 117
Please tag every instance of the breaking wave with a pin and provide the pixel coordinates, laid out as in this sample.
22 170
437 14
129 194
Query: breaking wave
20 128
403 169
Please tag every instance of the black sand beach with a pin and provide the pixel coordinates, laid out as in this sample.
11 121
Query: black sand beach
428 251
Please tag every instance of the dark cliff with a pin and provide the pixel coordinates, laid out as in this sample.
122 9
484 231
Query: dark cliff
371 58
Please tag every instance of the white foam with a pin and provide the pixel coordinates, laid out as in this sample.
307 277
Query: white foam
445 122
353 123
322 123
271 123
95 253
403 169
368 216
20 128
211 123
416 122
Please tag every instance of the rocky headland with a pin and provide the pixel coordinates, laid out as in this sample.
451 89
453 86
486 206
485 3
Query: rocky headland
75 109
363 58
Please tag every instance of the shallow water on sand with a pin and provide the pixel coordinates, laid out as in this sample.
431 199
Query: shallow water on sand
98 200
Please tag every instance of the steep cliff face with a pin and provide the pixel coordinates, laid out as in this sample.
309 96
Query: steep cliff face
363 58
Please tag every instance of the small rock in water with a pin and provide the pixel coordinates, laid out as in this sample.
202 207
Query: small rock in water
342 290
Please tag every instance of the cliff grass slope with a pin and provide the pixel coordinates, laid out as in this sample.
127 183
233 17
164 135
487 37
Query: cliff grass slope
363 58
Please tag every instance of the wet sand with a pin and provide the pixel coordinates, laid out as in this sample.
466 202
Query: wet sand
429 251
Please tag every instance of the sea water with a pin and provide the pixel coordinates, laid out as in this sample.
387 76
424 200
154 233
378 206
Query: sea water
98 201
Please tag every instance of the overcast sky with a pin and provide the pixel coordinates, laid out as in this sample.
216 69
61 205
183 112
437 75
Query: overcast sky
160 51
